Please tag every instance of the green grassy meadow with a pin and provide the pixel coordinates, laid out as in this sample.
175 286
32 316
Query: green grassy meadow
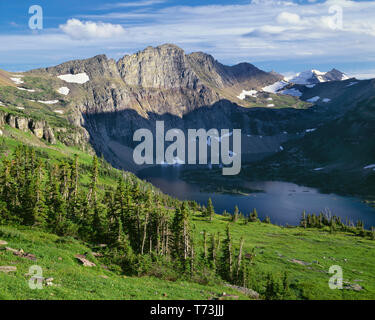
274 247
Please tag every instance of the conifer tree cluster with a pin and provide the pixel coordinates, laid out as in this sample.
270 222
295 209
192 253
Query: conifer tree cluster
334 223
141 229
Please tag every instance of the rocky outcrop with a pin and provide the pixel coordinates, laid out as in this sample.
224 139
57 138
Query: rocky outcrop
39 128
10 120
74 137
85 262
7 269
48 135
164 67
42 130
22 124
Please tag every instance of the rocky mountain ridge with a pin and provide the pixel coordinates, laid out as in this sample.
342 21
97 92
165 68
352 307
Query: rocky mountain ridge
109 100
162 80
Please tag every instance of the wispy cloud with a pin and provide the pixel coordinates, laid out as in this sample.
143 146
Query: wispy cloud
271 29
365 74
263 30
131 4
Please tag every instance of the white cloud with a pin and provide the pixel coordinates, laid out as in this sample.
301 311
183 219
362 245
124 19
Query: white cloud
288 18
85 30
272 2
362 75
264 30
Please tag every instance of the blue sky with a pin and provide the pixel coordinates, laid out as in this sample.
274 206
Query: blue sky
281 35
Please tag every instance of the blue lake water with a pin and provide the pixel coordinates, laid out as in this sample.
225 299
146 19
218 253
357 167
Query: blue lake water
283 202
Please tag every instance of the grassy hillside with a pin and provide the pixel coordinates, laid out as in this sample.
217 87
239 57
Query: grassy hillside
4 79
277 101
305 255
71 280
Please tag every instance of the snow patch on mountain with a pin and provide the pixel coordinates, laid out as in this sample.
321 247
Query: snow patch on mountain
79 78
63 90
313 76
17 80
275 87
244 93
303 77
48 102
24 89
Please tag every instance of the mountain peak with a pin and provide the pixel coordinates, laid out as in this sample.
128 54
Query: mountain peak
169 46
315 76
163 48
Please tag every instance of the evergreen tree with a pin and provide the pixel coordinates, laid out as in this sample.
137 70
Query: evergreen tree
92 195
98 222
210 212
267 220
204 245
235 214
227 257
74 168
181 233
239 258
304 220
273 288
253 216
212 252
56 204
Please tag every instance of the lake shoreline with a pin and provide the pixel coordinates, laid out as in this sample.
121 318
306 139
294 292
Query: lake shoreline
284 202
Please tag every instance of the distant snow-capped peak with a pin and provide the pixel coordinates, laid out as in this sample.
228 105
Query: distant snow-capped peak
315 76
